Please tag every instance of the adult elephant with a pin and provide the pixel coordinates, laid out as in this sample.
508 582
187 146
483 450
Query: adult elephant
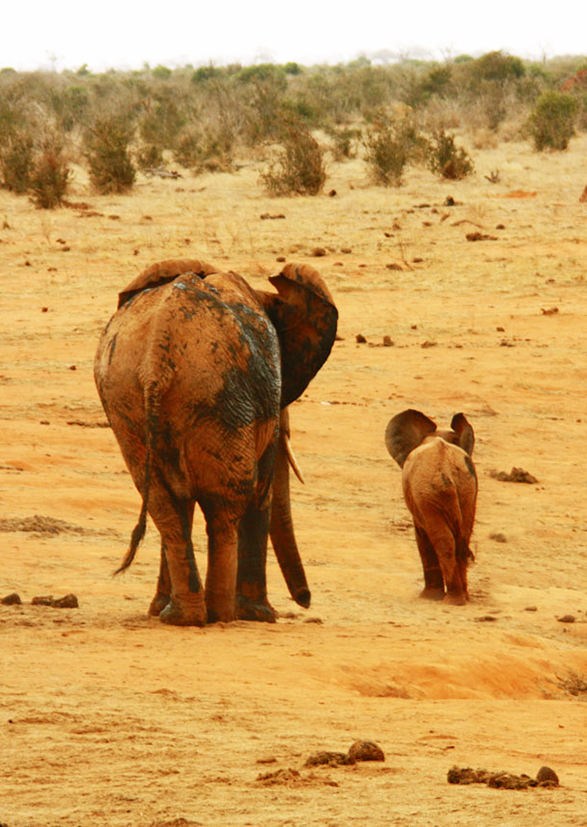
195 372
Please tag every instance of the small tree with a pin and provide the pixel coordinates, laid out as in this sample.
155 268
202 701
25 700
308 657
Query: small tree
552 123
111 168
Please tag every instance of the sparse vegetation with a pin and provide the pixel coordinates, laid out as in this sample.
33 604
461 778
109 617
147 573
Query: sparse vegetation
205 117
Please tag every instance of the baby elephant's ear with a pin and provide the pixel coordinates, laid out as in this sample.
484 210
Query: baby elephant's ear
463 429
405 432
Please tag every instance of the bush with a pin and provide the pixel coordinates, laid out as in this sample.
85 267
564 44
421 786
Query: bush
497 66
446 159
390 145
345 139
149 156
552 123
111 168
209 149
16 162
50 177
299 168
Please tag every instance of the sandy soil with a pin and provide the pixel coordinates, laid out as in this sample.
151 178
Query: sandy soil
110 718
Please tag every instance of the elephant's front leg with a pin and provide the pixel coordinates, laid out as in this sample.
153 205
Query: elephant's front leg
252 601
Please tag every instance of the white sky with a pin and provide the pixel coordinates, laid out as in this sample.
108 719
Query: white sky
65 34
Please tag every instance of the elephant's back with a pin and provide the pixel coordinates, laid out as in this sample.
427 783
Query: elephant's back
201 343
438 469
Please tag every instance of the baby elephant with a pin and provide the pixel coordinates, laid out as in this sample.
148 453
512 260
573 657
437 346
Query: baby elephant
440 489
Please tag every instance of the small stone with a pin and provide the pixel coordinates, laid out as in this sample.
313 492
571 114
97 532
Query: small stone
331 759
43 600
69 601
387 341
318 252
360 339
566 619
366 751
11 600
547 777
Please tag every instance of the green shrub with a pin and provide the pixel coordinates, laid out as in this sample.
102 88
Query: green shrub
299 167
446 159
497 66
50 176
107 152
552 123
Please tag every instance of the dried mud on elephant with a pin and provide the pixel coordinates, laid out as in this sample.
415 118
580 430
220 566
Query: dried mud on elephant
108 717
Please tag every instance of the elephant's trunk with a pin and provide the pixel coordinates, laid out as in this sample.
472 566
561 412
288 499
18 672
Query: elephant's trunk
281 526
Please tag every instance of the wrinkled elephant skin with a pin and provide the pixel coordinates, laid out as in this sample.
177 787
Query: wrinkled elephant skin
440 489
195 371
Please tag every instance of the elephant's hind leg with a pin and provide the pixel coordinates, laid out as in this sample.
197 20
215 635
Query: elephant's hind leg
433 579
445 547
178 576
163 593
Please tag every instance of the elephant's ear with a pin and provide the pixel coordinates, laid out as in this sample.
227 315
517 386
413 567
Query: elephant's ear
405 431
305 318
464 431
162 272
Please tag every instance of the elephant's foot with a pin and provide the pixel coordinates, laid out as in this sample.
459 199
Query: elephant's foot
247 609
177 615
455 598
158 603
433 593
303 597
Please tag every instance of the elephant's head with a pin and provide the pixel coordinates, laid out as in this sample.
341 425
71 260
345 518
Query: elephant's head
410 428
305 318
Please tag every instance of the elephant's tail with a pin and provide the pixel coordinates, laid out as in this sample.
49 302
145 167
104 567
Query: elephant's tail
152 398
